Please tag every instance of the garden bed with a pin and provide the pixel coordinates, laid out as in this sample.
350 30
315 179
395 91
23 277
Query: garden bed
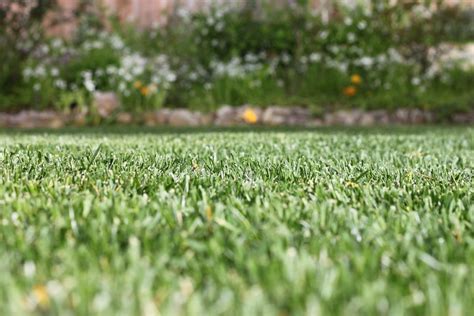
380 56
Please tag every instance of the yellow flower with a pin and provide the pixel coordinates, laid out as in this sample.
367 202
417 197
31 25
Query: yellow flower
250 116
350 91
356 79
145 91
41 295
137 84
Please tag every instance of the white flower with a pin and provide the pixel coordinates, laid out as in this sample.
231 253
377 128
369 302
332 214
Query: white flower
193 76
116 42
366 61
415 81
27 73
86 74
61 84
342 67
394 55
381 59
285 58
184 13
122 87
40 71
111 70
362 25
422 11
54 72
57 43
315 57
351 37
334 49
171 77
45 49
220 26
97 44
89 84
251 58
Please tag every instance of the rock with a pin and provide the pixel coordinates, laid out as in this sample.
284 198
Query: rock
299 116
381 117
78 117
24 119
124 118
226 116
416 116
207 119
463 118
79 120
34 119
105 103
430 117
370 118
275 115
343 117
149 118
367 119
315 123
413 116
4 120
160 117
184 117
229 116
55 123
401 116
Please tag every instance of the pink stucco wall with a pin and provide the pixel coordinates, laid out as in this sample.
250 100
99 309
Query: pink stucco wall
146 13
149 12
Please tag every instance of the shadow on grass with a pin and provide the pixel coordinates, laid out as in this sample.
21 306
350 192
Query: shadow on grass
136 129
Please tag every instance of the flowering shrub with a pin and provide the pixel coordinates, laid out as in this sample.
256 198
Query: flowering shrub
19 25
378 54
99 64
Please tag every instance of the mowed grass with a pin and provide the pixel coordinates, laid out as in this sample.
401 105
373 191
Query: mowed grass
350 222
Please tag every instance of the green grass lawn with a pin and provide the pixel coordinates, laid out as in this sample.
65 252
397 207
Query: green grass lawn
144 222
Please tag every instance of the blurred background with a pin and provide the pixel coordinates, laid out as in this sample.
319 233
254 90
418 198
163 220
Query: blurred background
116 60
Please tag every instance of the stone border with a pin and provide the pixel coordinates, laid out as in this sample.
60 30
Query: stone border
231 116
